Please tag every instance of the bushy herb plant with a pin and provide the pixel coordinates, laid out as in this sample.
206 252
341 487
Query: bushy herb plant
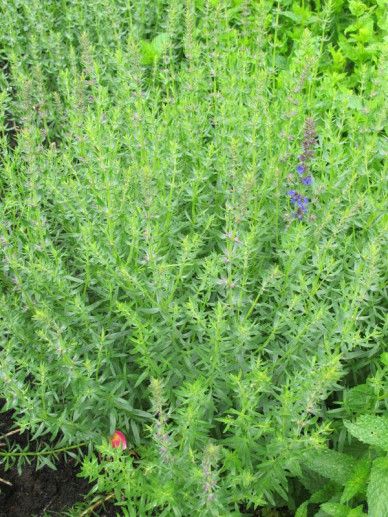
192 250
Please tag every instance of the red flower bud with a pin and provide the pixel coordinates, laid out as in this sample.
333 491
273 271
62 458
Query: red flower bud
118 440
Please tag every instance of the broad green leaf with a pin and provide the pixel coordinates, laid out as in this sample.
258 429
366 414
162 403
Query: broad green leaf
330 464
370 429
358 480
335 509
357 8
341 510
384 358
325 493
292 16
357 512
359 399
152 50
160 43
377 494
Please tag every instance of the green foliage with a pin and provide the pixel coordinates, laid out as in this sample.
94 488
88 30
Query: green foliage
358 478
152 51
330 464
378 488
370 429
357 481
154 278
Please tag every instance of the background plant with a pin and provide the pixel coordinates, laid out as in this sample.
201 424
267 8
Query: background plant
153 276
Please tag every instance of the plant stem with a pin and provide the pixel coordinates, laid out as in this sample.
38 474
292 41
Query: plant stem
42 453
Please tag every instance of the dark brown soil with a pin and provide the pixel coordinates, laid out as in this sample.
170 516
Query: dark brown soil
35 492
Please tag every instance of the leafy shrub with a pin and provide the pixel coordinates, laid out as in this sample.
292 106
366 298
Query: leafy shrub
157 274
342 482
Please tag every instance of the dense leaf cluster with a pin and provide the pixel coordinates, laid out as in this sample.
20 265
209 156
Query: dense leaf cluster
153 276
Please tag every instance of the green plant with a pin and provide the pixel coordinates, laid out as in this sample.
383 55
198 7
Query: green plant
346 483
154 277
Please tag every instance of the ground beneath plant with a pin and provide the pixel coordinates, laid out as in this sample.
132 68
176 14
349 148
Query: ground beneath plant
35 492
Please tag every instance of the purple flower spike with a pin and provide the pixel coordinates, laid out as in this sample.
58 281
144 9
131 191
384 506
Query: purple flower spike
302 202
299 202
307 180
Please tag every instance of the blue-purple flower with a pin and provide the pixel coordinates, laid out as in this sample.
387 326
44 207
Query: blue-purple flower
300 203
307 180
297 199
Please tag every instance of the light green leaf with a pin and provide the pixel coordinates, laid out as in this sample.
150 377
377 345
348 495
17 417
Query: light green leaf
160 43
148 54
384 358
302 510
152 50
335 509
377 494
292 16
357 8
357 512
370 429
